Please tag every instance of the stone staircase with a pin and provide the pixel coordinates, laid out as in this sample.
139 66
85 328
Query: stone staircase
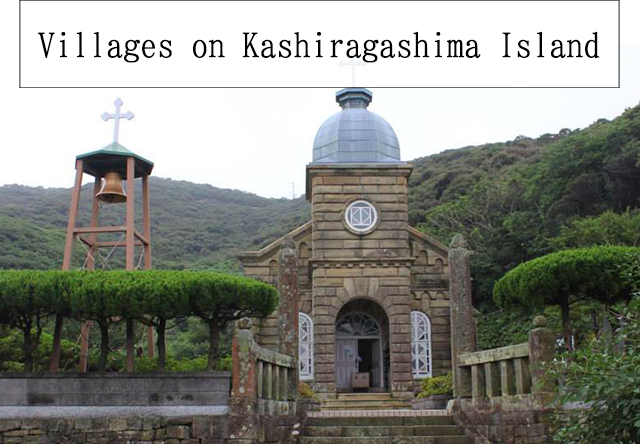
365 401
382 427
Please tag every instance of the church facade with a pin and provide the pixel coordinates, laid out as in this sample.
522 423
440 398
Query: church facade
374 292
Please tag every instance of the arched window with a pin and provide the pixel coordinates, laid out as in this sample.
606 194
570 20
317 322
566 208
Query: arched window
305 346
273 272
420 345
357 324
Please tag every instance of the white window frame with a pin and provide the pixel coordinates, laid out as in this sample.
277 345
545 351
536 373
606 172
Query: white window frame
305 322
421 345
359 206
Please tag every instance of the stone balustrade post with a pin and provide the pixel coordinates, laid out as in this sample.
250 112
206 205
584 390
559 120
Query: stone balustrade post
478 389
541 350
244 377
463 328
492 379
288 311
244 423
507 378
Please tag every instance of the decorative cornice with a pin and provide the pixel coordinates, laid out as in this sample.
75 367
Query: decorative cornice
382 262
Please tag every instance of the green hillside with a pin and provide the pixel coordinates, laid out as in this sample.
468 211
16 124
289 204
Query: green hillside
513 201
193 226
522 199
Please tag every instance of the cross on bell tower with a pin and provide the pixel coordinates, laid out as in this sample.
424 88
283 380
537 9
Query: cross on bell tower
116 117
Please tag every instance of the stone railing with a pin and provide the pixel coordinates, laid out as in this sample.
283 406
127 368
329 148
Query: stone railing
263 381
507 371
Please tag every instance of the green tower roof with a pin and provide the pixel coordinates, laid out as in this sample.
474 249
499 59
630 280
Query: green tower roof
113 157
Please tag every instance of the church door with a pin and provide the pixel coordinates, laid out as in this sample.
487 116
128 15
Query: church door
346 361
358 350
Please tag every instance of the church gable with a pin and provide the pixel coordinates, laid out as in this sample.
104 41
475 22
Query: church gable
430 268
264 263
418 237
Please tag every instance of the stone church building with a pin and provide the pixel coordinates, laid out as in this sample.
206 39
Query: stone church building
374 292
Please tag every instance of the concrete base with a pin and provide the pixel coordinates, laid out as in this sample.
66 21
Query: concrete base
117 389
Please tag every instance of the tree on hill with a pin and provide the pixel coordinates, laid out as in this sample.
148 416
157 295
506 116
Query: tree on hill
513 215
608 228
193 226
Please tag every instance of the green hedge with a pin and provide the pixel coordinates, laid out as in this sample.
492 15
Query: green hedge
28 298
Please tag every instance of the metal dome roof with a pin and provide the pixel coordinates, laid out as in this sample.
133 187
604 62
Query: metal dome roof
355 134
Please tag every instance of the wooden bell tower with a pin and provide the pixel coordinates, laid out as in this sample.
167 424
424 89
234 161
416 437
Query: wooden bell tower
109 166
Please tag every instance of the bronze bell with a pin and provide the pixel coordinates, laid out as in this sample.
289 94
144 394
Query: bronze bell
112 191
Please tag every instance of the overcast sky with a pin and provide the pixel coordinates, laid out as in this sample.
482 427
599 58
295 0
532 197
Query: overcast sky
259 140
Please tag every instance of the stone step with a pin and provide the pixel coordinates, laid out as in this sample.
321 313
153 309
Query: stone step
381 421
458 439
382 431
365 396
364 405
365 401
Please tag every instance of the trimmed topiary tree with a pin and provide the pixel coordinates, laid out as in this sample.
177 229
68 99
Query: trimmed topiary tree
25 303
568 276
236 297
160 298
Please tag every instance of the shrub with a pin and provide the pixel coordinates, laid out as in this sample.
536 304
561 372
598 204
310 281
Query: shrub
305 391
502 328
12 357
193 365
602 382
438 385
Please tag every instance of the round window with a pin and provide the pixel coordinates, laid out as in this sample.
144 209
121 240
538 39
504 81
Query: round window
361 216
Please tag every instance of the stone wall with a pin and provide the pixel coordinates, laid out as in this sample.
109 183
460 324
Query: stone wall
117 389
337 284
346 265
333 187
521 419
430 295
145 430
102 430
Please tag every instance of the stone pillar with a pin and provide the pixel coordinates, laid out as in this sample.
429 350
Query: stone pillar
244 387
463 330
288 308
541 350
243 402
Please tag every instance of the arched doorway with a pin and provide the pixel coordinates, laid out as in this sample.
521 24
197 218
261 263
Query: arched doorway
362 345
